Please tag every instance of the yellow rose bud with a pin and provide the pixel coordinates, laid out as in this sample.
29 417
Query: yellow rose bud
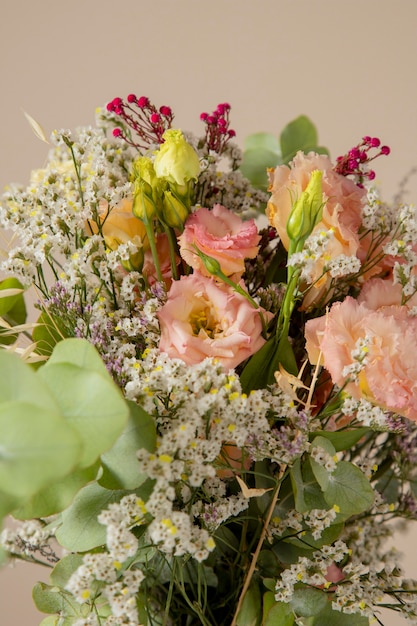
176 161
144 206
307 209
175 212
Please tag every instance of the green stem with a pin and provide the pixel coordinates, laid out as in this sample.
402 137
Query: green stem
254 561
152 244
172 243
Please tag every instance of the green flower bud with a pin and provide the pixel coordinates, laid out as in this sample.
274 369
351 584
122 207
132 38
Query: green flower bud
143 204
146 190
307 209
175 211
176 161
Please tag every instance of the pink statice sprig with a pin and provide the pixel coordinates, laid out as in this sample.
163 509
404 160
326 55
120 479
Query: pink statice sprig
356 162
142 117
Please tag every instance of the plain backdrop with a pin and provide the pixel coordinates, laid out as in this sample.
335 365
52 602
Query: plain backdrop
349 66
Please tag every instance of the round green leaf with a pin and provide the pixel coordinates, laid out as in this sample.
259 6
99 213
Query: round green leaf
37 448
255 164
91 403
308 602
80 530
267 141
19 382
78 352
12 307
50 599
121 469
65 568
349 489
299 134
58 496
342 439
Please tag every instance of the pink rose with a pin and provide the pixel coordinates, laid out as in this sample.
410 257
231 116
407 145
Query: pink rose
222 235
342 210
203 319
388 376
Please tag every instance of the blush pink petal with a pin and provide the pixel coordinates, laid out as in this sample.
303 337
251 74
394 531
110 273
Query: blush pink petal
389 375
342 210
234 328
222 235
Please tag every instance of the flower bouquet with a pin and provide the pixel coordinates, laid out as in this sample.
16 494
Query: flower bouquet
211 420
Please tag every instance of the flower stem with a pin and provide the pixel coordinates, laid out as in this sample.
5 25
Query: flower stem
254 561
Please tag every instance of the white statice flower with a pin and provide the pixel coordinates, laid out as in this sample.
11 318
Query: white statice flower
359 356
177 535
343 265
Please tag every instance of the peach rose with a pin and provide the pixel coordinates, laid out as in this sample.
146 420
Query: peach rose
342 210
222 235
119 225
203 319
388 376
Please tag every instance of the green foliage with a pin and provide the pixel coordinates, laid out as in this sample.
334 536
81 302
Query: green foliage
249 614
276 613
80 530
342 439
346 487
349 489
120 465
47 333
12 308
308 602
264 150
54 424
328 617
300 134
56 497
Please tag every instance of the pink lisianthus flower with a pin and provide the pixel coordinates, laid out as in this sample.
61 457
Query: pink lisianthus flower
204 319
222 235
378 331
342 211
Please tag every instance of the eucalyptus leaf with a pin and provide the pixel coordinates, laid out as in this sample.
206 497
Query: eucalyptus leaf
308 602
12 308
255 164
121 469
90 402
328 617
80 530
79 352
37 448
8 503
19 382
306 541
299 134
51 599
349 489
342 439
58 496
250 613
276 613
321 474
307 492
65 568
58 620
266 141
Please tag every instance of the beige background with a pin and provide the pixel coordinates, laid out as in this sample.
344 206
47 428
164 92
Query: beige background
349 65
